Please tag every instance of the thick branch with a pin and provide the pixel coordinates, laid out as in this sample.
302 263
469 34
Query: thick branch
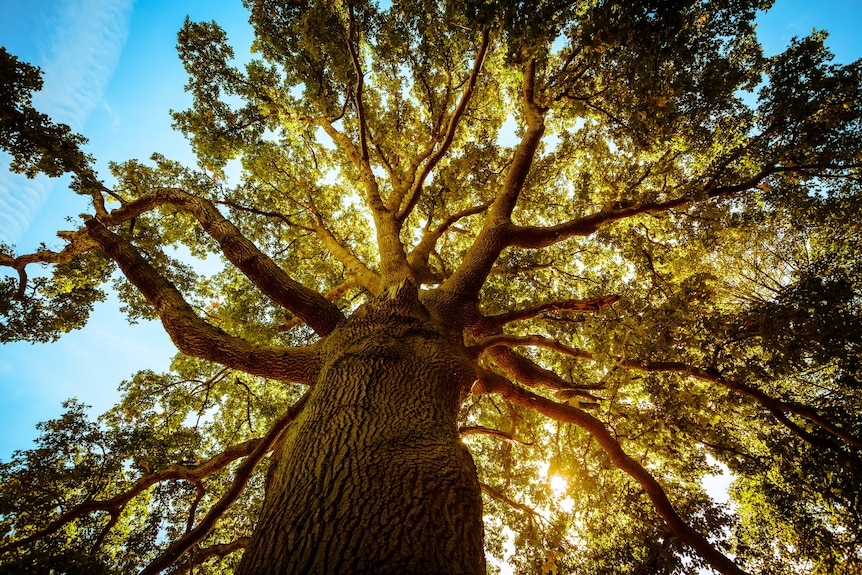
331 295
243 473
531 374
100 540
522 160
192 335
416 189
467 280
568 414
320 314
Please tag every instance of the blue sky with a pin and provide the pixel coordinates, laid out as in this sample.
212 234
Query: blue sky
111 72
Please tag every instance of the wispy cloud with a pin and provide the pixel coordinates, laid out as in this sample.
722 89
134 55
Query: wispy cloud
78 58
82 53
20 201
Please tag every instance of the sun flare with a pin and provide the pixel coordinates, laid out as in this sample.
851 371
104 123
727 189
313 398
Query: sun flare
558 484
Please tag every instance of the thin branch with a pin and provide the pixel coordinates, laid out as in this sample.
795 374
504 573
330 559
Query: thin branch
78 243
518 270
534 237
420 254
353 36
492 383
115 504
372 190
243 473
510 502
393 260
419 181
115 516
775 406
219 551
265 213
527 341
192 335
532 514
481 430
199 494
394 177
59 143
591 305
355 267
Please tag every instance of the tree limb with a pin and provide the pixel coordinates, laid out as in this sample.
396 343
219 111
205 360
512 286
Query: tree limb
331 295
393 259
320 314
492 383
512 503
531 374
372 189
353 265
468 278
352 36
78 243
192 335
115 516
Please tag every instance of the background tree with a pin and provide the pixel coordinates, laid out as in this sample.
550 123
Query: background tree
425 338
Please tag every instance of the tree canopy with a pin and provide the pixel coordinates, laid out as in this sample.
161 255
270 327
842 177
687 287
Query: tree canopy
657 278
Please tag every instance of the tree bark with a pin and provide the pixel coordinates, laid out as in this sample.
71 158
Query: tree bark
372 477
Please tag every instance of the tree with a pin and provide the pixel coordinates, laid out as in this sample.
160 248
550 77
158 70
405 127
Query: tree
427 343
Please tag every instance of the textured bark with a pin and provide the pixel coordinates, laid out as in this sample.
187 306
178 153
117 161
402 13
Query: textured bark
372 477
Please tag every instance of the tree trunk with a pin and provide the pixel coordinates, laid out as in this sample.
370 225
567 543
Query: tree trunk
372 477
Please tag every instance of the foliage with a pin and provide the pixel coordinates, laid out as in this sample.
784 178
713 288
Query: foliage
659 278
